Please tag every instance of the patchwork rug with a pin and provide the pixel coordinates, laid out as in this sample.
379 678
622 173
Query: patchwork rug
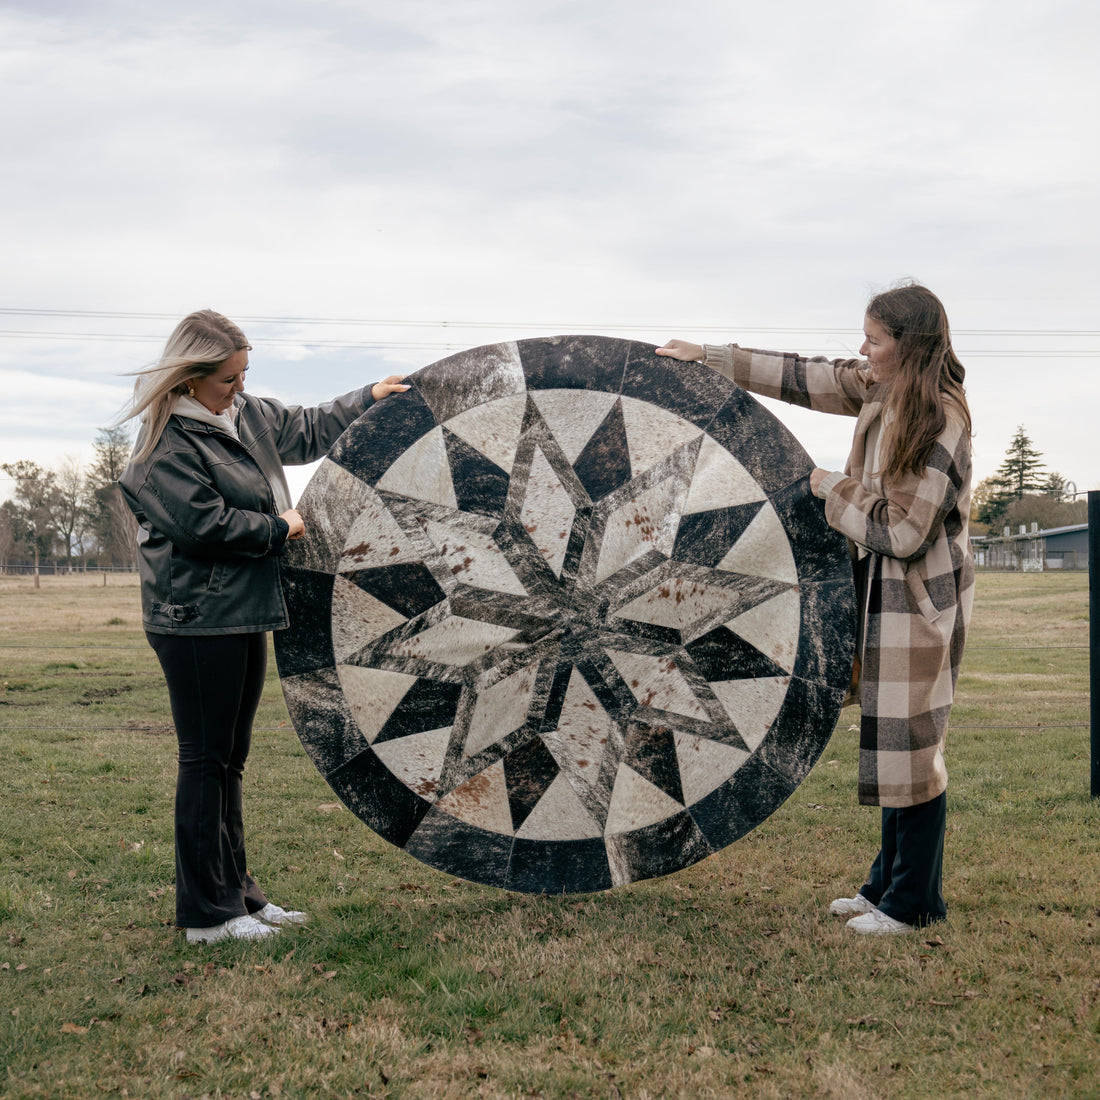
566 615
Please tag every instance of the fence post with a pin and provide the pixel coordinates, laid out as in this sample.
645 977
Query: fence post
1094 637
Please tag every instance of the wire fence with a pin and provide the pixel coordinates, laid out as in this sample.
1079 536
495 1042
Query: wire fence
62 569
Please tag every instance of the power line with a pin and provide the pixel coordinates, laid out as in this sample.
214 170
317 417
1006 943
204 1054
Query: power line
573 327
134 337
412 345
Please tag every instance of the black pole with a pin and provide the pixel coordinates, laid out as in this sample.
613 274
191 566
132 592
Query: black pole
1094 636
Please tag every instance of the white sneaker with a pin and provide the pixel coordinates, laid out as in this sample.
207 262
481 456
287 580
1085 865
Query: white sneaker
877 923
850 907
239 928
275 914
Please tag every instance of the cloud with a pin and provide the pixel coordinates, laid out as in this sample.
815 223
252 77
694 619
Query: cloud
691 165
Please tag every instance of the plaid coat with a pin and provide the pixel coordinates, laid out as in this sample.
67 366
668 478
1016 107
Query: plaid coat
915 569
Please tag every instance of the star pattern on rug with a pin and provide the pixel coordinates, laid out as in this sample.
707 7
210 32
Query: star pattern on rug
580 636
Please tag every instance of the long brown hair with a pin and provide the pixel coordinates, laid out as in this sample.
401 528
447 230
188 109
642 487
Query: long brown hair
928 380
198 346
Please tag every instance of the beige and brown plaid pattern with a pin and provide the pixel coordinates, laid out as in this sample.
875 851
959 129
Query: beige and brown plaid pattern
919 576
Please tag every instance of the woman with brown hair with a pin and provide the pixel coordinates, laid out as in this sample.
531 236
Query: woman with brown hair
206 484
903 501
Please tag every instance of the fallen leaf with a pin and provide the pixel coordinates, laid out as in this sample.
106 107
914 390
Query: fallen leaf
74 1029
336 854
328 807
936 941
439 936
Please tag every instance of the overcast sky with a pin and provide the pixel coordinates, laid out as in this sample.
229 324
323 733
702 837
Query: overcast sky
712 170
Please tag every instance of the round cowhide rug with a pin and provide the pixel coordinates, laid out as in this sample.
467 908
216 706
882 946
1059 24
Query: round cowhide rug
566 615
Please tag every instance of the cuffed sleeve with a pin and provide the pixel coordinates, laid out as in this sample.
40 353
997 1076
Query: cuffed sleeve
828 483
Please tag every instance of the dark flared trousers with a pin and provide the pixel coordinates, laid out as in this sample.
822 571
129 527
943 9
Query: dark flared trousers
906 879
214 686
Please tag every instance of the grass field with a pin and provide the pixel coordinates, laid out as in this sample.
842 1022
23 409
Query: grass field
727 979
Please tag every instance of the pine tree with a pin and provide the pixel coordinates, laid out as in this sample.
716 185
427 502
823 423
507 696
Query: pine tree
1023 470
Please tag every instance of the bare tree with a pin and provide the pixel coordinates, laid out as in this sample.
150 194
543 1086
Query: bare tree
33 511
70 508
7 535
112 522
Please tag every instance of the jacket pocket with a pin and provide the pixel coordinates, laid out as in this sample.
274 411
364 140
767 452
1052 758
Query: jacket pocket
214 581
919 593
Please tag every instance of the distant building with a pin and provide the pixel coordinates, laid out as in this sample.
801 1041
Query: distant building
1034 550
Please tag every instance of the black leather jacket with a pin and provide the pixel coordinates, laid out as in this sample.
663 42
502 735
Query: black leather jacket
210 537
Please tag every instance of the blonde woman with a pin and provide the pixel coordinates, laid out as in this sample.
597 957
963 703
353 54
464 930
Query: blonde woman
206 484
903 501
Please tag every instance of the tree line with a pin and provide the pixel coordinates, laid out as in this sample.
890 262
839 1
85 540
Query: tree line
75 517
72 516
1022 492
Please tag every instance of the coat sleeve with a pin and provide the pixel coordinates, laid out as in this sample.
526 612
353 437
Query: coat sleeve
177 497
828 385
909 515
303 435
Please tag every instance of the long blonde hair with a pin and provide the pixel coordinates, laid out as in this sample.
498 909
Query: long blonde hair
929 378
198 346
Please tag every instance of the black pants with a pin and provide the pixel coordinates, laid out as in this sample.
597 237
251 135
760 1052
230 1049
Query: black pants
906 879
214 686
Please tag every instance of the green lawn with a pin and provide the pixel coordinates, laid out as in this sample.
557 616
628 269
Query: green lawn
727 979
